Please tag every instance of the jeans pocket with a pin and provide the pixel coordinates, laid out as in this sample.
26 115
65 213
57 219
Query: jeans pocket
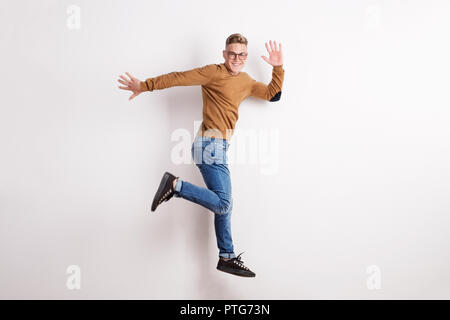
206 151
209 152
219 153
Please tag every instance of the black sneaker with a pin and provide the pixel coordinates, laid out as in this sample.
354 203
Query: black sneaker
235 266
165 190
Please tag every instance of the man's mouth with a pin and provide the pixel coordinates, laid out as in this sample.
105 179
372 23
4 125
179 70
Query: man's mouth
236 64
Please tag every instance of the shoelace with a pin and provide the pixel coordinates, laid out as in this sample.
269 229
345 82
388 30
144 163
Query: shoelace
239 261
163 198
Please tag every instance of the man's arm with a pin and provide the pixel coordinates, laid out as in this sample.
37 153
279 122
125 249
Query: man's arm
271 92
197 76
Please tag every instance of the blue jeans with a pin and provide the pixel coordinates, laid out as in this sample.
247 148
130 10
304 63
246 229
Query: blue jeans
209 155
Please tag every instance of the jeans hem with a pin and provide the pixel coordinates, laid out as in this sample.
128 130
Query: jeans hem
178 187
227 255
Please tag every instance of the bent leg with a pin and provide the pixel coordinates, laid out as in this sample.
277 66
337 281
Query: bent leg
217 196
199 195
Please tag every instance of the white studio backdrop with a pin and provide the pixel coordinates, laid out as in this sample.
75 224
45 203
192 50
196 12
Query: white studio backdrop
349 201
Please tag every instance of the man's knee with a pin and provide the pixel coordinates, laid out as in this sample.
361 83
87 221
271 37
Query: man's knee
225 206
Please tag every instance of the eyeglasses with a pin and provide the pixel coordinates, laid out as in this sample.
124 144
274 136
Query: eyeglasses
233 55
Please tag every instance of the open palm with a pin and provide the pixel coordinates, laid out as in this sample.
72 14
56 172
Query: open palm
275 54
132 84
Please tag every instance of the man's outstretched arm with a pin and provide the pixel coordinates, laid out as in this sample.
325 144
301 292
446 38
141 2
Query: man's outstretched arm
271 92
197 76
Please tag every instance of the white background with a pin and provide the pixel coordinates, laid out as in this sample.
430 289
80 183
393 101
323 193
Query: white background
363 176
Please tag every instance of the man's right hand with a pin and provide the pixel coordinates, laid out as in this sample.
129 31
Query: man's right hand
132 84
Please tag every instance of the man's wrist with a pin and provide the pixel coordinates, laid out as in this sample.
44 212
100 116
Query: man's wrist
280 67
144 86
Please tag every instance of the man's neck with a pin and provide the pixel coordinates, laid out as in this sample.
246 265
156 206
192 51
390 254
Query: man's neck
229 71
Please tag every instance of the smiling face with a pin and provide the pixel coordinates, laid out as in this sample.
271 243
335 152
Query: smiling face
234 59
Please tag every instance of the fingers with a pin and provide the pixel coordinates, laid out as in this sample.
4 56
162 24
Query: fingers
131 77
126 83
125 79
267 47
273 46
123 82
265 59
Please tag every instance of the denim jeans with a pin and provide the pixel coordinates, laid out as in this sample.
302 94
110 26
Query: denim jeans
209 155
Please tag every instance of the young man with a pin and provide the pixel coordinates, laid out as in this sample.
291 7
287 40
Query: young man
224 87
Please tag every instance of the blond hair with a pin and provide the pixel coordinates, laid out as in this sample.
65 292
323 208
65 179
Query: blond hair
236 38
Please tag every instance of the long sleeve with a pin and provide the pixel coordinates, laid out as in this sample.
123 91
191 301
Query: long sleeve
271 92
197 76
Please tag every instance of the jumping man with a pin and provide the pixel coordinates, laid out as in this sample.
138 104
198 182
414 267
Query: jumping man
224 87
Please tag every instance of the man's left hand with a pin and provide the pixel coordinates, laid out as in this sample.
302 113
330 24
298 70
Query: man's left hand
275 54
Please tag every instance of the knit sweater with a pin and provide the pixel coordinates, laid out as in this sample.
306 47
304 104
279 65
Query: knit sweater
222 93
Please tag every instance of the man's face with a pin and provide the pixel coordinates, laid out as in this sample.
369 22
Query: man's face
234 60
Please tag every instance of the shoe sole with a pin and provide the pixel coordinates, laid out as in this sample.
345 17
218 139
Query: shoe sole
236 273
159 191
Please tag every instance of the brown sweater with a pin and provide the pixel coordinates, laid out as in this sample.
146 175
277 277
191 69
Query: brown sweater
222 93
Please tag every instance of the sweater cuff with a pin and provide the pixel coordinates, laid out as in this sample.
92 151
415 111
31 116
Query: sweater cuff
144 86
278 68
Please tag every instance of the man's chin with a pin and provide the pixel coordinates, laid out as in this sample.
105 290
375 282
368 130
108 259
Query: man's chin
235 69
